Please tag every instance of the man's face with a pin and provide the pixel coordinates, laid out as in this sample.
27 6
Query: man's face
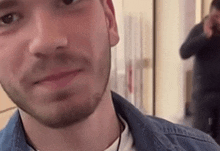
215 15
55 56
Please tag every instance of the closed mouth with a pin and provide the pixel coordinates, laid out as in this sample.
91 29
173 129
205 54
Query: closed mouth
57 77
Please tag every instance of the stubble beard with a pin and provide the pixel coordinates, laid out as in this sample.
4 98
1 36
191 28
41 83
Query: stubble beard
67 117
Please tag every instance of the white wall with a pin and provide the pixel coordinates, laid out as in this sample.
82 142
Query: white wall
169 102
131 19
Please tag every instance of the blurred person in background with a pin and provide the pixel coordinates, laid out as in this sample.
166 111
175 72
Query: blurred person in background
203 42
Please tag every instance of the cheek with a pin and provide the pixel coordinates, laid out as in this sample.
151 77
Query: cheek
89 38
11 58
88 29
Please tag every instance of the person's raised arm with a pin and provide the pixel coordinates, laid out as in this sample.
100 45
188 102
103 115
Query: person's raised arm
195 41
201 34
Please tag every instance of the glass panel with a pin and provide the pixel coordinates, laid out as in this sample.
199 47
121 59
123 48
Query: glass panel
132 57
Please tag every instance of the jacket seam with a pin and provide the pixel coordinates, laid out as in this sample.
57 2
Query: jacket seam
193 137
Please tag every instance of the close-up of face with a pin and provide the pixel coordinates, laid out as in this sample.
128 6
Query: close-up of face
215 15
55 56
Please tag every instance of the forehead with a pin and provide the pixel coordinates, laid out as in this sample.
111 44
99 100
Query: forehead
5 4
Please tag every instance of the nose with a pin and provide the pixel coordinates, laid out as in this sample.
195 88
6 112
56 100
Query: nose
47 37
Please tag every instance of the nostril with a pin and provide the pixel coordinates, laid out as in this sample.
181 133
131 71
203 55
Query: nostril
39 55
60 47
36 82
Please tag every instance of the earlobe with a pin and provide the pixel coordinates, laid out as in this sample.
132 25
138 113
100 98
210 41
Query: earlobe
111 23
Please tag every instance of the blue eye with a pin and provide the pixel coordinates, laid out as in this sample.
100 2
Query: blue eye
9 19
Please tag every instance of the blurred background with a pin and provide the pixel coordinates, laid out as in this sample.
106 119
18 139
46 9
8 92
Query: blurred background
146 65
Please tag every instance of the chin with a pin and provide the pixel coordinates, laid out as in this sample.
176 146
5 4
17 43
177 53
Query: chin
66 113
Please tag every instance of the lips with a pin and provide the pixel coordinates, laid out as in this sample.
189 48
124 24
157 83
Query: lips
60 79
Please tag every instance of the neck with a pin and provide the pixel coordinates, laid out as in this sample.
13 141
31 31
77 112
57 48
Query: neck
96 133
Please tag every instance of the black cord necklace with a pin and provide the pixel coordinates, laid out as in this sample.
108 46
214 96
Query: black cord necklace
121 129
119 141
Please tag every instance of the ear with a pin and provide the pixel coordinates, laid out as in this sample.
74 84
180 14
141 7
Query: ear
111 22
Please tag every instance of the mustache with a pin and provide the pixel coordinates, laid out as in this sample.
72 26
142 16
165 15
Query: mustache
43 66
60 59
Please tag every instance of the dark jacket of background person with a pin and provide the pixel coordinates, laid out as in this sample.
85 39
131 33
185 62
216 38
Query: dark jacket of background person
206 81
206 76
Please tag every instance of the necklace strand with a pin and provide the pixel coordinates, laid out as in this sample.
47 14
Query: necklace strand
119 141
120 131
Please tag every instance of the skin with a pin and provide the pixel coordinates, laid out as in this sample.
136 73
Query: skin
212 20
47 38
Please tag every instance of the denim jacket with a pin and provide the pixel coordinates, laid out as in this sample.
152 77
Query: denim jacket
149 133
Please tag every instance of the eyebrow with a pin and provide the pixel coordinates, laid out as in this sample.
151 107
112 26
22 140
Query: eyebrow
6 4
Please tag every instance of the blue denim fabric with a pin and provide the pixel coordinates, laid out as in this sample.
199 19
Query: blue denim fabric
155 134
149 133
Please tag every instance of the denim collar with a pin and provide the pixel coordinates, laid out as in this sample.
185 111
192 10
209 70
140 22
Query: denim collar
146 133
13 136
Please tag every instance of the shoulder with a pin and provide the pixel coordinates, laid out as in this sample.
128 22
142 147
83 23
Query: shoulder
196 30
199 26
2 139
2 136
181 137
1 133
12 134
156 133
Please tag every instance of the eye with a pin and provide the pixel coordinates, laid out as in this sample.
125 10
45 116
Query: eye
68 2
9 19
